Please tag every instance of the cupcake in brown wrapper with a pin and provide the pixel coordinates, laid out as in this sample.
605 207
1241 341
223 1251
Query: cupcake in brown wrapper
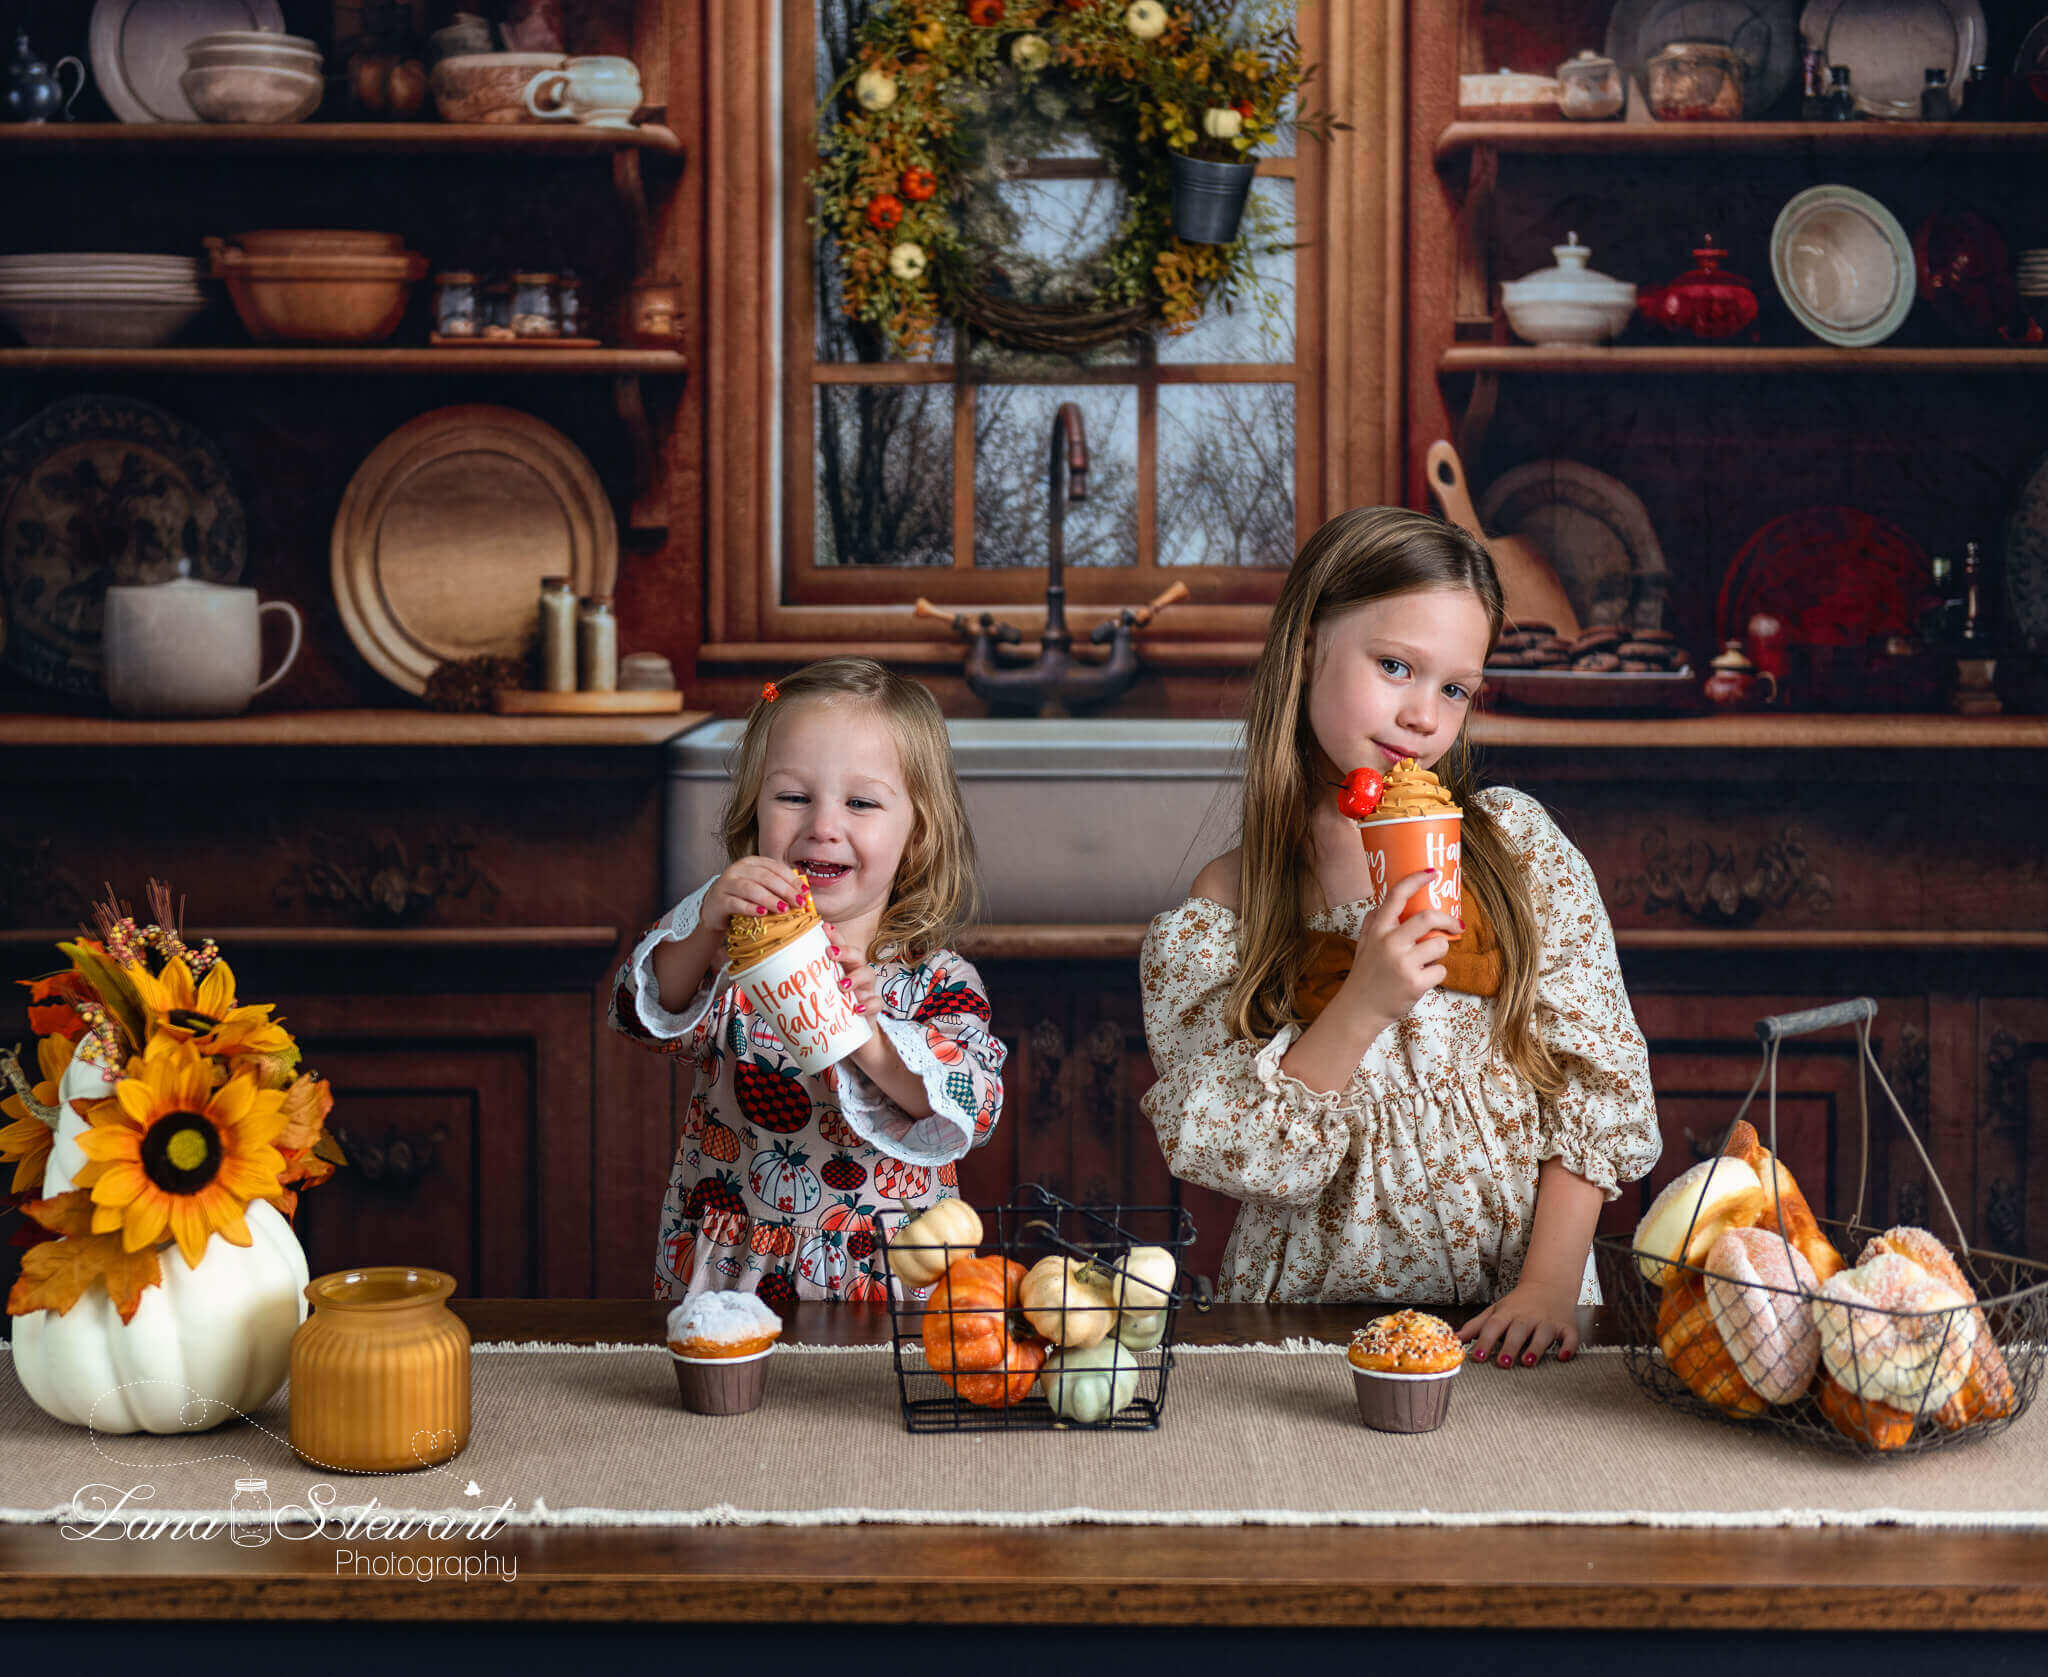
1403 1402
721 1385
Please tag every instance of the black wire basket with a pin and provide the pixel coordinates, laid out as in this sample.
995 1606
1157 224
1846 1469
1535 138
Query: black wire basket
976 1396
1870 1378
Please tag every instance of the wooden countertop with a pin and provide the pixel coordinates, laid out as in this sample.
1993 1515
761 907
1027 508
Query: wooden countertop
1491 1579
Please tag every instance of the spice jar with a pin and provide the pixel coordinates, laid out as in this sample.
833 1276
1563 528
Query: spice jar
380 1372
1593 87
569 304
597 645
497 308
455 304
533 306
1696 81
557 635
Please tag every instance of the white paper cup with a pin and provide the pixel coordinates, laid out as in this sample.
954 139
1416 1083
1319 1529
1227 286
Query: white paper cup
797 990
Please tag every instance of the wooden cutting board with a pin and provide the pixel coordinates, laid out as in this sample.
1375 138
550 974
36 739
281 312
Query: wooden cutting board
1534 594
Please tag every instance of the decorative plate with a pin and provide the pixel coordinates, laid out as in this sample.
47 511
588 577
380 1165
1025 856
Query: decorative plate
1844 266
2026 559
1834 576
98 490
1595 533
138 49
1764 34
448 527
1888 46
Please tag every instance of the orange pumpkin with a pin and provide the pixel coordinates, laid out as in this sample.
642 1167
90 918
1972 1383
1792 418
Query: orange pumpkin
974 1336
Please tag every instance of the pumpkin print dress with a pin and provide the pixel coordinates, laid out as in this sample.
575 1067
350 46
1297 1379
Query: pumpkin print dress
779 1177
1416 1181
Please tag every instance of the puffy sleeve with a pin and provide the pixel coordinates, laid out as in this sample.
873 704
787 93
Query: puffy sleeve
1226 1115
938 1021
636 1009
1603 1123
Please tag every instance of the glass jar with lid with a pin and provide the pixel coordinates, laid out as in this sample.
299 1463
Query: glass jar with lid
456 314
533 306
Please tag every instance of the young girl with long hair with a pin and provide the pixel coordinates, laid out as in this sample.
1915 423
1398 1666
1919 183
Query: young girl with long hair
843 771
1423 1110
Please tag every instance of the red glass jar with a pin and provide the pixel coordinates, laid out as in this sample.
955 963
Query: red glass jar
1705 301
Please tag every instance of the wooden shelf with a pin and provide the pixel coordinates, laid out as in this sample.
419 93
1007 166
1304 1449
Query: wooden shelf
328 938
1764 732
1709 358
511 140
248 360
1664 139
301 728
1122 942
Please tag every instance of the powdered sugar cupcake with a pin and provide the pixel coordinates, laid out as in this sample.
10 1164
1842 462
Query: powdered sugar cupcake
719 1345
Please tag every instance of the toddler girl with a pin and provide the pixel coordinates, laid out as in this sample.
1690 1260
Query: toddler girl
1424 1110
844 772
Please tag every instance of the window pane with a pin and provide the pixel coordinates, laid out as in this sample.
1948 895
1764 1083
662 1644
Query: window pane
1261 324
1012 456
1226 474
883 455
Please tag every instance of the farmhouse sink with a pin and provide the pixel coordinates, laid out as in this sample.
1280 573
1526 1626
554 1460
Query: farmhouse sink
1088 821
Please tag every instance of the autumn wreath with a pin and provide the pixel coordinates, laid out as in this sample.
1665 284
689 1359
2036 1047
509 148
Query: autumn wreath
902 146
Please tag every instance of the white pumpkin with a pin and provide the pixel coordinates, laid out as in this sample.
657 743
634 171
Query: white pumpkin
204 1346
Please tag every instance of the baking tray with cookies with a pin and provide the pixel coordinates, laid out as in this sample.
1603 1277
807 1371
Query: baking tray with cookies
1604 667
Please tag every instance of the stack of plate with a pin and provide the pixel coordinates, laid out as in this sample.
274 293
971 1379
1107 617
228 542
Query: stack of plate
107 299
2030 269
252 75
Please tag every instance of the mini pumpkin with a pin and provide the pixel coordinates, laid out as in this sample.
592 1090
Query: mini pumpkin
875 88
885 210
985 13
1069 1301
917 183
973 1339
921 1251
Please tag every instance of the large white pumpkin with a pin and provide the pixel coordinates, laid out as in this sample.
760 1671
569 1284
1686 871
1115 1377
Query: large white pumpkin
206 1345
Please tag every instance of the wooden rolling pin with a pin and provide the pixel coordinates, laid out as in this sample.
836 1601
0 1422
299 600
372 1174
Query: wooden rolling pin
1534 595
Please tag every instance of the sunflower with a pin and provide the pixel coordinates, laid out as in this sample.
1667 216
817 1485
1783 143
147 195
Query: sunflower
25 1143
172 1151
207 1014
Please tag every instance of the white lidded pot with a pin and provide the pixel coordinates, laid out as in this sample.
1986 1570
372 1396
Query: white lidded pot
1568 304
189 648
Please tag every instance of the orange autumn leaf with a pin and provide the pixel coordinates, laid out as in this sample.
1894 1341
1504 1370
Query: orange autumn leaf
306 1106
64 1214
56 1274
52 1009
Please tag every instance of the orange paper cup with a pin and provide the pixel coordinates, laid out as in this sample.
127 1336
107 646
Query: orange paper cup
1395 849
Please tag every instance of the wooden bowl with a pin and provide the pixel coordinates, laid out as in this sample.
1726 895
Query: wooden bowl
488 86
318 299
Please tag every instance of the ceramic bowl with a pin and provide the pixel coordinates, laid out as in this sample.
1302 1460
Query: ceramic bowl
1568 303
1844 266
251 93
255 58
488 86
98 323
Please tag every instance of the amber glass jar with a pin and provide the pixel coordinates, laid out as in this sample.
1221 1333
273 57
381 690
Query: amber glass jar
380 1372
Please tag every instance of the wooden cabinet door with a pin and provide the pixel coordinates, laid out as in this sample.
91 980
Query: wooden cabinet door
2010 1128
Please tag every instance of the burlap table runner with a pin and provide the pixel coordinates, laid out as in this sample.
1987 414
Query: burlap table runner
1251 1436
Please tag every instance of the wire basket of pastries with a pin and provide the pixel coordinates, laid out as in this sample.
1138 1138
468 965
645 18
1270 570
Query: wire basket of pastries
1041 1314
1736 1302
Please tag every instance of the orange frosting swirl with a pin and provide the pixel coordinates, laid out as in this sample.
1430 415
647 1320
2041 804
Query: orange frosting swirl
1413 790
751 939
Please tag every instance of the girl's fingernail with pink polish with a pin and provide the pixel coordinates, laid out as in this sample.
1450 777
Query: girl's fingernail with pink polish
835 949
760 911
1564 1356
783 906
1529 1359
860 1007
1506 1360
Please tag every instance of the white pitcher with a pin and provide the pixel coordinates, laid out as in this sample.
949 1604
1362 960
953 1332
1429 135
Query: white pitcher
189 648
598 92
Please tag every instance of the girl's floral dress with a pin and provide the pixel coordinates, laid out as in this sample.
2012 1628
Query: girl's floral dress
779 1177
1416 1181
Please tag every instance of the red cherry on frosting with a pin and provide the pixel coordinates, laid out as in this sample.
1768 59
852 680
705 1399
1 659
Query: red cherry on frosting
1363 789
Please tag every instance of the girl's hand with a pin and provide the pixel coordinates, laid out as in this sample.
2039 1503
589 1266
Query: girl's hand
860 983
1524 1323
752 885
1399 960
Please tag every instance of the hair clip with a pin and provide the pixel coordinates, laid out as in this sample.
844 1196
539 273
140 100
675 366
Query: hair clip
770 692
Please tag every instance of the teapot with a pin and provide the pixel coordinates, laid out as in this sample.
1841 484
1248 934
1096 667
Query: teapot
189 648
35 92
1736 683
1704 300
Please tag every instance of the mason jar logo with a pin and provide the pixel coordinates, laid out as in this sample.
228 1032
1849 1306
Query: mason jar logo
249 1511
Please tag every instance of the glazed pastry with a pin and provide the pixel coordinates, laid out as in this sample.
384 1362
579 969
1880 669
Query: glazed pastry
1692 1212
1407 1342
1787 1203
1759 1294
751 938
721 1325
1693 1346
1987 1391
1892 1332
